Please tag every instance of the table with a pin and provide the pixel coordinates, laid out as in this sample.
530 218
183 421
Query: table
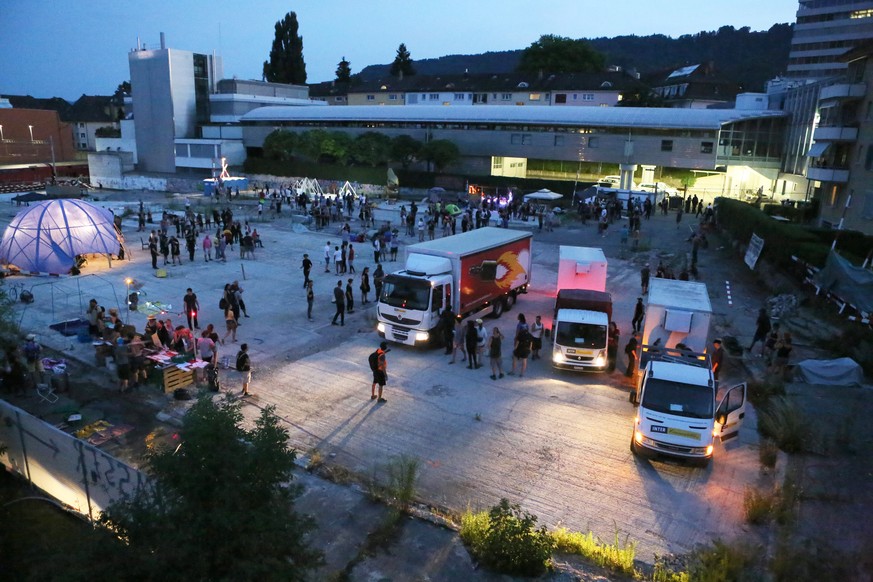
174 375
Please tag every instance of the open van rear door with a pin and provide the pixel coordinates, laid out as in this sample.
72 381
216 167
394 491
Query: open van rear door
730 413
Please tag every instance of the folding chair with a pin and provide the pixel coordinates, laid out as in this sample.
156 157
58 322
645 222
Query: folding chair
47 392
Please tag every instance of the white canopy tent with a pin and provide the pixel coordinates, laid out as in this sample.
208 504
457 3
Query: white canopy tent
46 237
545 195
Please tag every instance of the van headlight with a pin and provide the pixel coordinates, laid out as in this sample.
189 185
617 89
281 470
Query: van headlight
709 451
421 336
380 327
558 357
600 360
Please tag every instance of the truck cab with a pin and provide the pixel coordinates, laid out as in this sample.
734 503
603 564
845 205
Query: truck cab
678 415
413 299
580 329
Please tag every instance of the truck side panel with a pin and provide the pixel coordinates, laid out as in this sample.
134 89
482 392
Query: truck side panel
492 273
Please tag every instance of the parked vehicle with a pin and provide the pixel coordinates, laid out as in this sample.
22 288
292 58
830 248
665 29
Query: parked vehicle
677 414
583 309
477 273
660 187
678 314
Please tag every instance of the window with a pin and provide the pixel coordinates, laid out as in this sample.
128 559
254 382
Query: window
666 145
496 163
520 139
371 97
594 142
459 96
434 97
525 139
559 140
82 135
534 97
587 96
560 97
706 147
506 96
392 97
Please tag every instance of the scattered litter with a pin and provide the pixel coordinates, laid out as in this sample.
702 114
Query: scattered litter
74 418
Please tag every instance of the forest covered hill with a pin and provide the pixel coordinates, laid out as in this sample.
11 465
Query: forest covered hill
741 55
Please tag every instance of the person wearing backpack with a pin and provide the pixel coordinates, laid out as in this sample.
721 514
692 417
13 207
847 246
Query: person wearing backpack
244 366
379 367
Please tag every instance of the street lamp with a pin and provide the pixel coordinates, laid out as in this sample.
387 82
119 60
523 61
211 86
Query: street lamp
127 282
30 127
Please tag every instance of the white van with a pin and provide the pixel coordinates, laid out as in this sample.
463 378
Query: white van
661 187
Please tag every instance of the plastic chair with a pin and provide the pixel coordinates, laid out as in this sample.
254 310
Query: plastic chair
47 392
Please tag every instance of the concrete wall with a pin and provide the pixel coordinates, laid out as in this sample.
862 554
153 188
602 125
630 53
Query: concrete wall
153 109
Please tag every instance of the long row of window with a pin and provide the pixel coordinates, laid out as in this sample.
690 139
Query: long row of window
483 97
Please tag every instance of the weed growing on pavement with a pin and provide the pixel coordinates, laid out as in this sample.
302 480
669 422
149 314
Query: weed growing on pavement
316 460
506 540
617 556
761 391
787 501
400 475
758 505
723 562
768 453
780 420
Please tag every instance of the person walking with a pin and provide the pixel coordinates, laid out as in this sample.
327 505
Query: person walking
339 298
645 275
536 333
310 300
458 340
244 367
306 265
717 358
639 314
365 285
380 372
192 306
762 328
471 341
230 323
494 353
521 351
207 247
631 351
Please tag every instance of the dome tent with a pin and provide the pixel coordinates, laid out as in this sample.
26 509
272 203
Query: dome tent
46 237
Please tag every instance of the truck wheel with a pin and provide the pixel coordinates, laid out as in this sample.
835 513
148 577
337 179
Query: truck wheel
633 447
497 310
509 301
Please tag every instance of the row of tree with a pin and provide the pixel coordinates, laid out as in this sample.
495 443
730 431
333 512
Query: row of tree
368 149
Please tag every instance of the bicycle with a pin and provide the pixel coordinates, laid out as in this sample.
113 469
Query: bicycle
13 290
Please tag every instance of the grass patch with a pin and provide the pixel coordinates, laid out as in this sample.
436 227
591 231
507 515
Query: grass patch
724 562
762 391
758 506
780 420
768 453
617 556
815 561
394 482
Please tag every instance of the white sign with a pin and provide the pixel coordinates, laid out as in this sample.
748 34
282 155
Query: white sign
756 245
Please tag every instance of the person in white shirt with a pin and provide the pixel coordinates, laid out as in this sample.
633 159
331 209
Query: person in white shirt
327 257
536 332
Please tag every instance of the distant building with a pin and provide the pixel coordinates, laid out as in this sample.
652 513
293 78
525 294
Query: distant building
91 114
824 31
694 87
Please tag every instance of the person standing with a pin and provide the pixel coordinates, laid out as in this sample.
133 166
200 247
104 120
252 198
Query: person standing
639 314
339 299
458 340
481 342
521 350
365 285
191 245
377 250
612 346
420 228
192 306
350 258
237 292
350 296
679 217
717 358
230 323
244 367
782 353
536 334
310 300
153 250
447 328
645 275
378 279
122 364
338 260
327 257
207 247
494 353
94 314
631 350
471 341
175 250
306 265
762 328
380 373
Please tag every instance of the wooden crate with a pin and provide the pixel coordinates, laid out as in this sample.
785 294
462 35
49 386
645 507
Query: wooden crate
175 378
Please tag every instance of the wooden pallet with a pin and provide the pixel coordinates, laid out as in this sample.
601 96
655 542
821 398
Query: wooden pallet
175 378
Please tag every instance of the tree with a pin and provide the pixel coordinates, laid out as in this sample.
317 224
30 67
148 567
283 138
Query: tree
441 152
218 507
371 149
405 149
402 64
286 56
558 54
280 144
343 71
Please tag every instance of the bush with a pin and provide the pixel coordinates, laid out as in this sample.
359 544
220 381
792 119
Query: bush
757 506
617 556
723 562
507 540
761 391
780 420
768 453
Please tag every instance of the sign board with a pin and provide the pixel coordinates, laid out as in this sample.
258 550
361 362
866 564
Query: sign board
756 245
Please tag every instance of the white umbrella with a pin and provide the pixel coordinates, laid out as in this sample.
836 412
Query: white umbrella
544 194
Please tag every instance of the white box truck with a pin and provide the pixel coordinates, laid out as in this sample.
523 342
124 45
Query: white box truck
678 415
581 268
678 314
476 273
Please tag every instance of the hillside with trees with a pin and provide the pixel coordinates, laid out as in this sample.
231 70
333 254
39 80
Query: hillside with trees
741 55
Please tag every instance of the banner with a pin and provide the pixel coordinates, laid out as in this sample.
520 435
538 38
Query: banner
756 245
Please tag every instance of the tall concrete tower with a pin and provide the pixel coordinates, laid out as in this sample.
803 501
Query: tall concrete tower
824 30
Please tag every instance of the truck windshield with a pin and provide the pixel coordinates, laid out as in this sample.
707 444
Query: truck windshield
580 335
406 293
677 398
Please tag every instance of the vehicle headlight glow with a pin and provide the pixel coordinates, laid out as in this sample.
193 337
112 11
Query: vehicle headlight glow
708 450
380 327
600 360
638 436
421 336
558 357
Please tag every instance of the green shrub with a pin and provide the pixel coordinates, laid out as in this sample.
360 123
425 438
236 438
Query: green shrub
758 506
780 420
761 391
723 562
510 543
768 453
402 474
617 556
814 561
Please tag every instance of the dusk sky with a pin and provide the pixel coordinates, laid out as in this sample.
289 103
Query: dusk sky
67 48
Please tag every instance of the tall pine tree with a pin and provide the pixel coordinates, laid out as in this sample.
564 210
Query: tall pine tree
402 64
343 71
286 57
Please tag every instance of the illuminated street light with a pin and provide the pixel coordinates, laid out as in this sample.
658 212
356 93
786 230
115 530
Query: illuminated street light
127 282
